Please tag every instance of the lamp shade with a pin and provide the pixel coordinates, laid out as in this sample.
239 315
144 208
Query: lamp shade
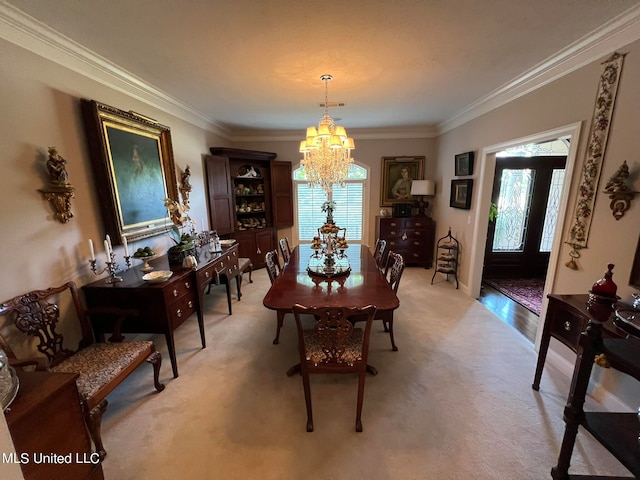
423 187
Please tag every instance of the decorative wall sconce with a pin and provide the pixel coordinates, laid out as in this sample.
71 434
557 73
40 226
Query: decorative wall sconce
59 192
619 193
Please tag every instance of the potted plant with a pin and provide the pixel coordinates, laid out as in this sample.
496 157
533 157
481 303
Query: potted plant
184 245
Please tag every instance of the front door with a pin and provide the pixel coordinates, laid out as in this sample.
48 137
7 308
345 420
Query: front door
527 193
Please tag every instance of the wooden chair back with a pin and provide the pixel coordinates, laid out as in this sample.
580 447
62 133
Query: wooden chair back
285 250
378 253
395 268
37 315
271 259
334 345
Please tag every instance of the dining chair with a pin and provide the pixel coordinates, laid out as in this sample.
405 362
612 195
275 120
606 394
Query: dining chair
273 266
271 259
393 274
333 345
285 250
378 253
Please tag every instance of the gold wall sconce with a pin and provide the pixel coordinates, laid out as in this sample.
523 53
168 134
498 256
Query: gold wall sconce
619 193
59 192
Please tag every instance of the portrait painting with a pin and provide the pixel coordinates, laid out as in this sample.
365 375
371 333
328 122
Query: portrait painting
397 176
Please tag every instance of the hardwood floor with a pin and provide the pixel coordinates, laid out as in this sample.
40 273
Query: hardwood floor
510 312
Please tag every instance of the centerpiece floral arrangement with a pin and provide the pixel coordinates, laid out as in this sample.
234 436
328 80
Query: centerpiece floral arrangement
182 232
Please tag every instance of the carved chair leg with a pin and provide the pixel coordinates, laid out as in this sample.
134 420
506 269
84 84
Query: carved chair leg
280 322
361 378
155 359
393 342
94 421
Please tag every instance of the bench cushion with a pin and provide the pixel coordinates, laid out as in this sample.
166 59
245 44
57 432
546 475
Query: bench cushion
100 363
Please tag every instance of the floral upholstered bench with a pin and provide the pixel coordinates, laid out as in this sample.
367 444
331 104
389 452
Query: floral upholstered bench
101 366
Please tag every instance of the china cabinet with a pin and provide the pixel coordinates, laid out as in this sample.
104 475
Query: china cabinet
447 249
250 196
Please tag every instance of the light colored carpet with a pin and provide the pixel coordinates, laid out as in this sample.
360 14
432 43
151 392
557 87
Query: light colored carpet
455 402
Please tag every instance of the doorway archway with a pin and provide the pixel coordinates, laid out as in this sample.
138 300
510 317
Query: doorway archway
483 201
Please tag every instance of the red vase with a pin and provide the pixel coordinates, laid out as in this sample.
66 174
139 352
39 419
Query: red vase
606 287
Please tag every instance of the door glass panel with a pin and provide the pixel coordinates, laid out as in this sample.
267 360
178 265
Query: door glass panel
514 203
551 213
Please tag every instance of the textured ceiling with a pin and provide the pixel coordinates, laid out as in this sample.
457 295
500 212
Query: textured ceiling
251 64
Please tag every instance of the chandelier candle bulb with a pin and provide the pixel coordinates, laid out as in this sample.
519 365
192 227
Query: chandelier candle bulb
106 249
93 253
126 247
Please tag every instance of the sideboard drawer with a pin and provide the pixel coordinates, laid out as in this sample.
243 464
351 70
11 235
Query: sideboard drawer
178 289
182 308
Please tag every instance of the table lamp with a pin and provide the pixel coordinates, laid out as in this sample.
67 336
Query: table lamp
422 188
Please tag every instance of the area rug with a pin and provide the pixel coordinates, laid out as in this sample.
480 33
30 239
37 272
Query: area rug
527 292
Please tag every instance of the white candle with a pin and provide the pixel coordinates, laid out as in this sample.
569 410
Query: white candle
93 253
109 242
106 250
126 247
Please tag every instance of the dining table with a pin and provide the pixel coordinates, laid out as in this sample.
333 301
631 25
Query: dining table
360 285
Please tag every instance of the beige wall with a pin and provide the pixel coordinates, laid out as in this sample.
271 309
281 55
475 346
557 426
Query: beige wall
40 105
368 153
565 101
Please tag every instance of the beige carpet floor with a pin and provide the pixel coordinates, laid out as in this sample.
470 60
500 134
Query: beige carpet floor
455 402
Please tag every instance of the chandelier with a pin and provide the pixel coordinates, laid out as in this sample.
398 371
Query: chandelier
327 150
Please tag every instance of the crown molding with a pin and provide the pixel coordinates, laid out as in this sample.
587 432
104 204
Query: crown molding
618 32
37 37
25 31
255 135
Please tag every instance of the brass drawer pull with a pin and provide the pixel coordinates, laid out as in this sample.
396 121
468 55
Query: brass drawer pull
190 304
393 224
207 274
179 313
393 232
187 284
567 326
175 292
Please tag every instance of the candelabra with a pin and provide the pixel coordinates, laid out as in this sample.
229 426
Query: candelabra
110 266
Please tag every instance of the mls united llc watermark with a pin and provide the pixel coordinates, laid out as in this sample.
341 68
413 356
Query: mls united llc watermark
53 458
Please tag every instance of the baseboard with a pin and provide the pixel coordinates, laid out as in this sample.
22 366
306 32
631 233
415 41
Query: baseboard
596 391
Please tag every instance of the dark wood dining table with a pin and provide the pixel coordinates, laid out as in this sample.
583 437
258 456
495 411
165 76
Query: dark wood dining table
363 285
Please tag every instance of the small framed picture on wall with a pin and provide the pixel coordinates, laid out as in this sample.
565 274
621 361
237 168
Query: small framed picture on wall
464 164
461 191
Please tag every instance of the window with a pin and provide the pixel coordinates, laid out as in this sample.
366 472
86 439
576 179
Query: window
350 201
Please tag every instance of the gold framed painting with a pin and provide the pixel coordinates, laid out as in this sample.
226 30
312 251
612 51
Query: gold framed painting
397 175
134 169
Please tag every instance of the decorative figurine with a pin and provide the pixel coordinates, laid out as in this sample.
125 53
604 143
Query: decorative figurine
60 191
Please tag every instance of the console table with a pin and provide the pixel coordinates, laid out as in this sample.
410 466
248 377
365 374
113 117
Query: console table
567 317
46 419
617 432
162 307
